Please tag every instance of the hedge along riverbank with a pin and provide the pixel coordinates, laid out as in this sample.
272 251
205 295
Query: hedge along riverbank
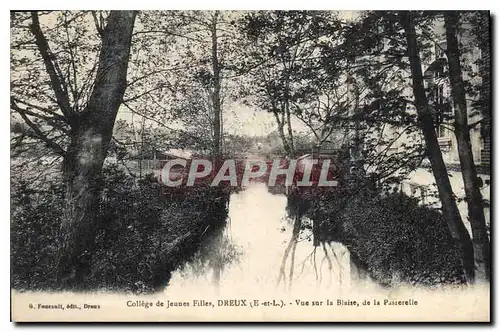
394 238
143 233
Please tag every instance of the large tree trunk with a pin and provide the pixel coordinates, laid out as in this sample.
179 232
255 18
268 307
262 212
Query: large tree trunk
281 132
216 90
288 118
290 131
91 134
462 132
449 207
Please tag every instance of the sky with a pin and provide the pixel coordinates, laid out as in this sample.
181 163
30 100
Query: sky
238 119
250 121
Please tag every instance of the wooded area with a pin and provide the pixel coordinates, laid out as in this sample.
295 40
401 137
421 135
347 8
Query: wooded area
94 92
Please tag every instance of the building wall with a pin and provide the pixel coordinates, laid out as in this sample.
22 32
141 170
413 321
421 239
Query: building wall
421 184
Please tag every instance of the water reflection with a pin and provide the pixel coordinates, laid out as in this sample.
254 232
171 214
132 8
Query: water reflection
262 249
218 252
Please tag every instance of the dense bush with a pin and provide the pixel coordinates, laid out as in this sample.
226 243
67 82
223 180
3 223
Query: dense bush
35 219
396 239
143 234
400 240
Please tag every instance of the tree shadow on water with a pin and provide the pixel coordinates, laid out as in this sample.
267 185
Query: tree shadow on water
217 252
303 231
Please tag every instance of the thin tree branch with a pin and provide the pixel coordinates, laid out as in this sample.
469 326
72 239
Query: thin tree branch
51 66
50 143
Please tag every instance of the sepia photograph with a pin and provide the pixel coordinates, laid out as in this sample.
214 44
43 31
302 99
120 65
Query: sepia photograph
250 166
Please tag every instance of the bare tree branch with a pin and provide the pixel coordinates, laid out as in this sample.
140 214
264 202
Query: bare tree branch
98 23
49 142
50 64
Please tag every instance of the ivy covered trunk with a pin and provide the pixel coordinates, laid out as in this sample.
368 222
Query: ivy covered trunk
91 132
473 195
449 206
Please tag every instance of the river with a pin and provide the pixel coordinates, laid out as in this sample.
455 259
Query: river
247 257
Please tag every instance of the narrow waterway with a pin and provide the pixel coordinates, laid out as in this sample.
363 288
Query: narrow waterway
247 258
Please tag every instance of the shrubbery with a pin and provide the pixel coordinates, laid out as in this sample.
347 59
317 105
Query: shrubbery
35 218
143 233
396 239
401 241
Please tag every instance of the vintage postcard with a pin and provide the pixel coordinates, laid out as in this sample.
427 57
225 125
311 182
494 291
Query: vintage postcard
262 166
